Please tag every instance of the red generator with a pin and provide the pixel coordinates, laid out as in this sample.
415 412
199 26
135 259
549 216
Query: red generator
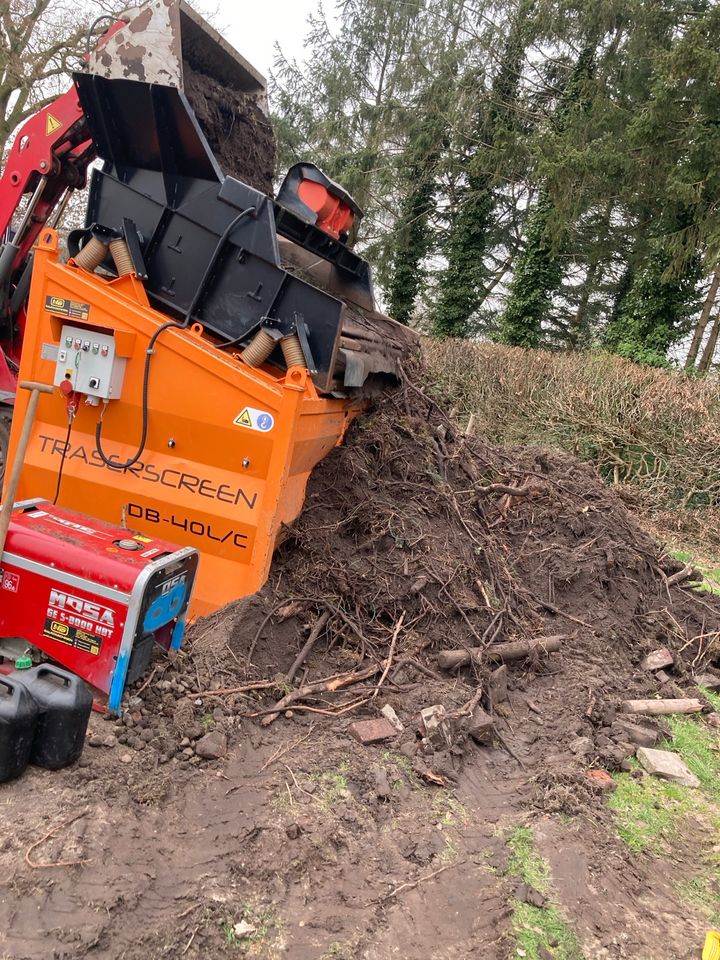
92 596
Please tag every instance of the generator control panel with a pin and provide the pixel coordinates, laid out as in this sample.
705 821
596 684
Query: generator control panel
86 359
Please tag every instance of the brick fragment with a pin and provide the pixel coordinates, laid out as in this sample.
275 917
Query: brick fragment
372 731
658 660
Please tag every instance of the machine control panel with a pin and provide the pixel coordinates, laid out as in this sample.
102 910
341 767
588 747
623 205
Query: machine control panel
86 359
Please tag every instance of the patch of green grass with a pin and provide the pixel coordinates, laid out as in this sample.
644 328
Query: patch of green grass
268 926
332 785
536 927
342 949
697 744
450 853
713 698
446 810
711 572
702 893
525 861
400 761
336 951
648 811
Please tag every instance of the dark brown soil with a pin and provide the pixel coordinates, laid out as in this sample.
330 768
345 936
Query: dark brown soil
335 850
237 130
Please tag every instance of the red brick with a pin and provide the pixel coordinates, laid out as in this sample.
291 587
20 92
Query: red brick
658 659
372 731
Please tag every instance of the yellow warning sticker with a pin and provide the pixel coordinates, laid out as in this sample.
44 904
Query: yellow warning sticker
254 419
51 124
141 539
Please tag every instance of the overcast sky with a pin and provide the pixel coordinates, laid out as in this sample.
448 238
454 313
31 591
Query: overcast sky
254 27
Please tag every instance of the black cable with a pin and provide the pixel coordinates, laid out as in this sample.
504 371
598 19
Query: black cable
66 447
146 380
91 30
150 350
213 260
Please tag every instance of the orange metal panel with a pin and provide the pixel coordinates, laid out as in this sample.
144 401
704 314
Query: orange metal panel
202 480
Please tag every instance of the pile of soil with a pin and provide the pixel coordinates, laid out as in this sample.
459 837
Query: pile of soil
416 539
237 130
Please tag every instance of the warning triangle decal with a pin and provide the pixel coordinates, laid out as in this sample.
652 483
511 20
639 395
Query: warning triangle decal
243 419
51 124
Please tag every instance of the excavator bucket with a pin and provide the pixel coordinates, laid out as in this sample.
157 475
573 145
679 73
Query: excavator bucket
168 43
164 42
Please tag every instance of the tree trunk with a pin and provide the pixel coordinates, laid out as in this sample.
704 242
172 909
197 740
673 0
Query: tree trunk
703 319
578 322
709 351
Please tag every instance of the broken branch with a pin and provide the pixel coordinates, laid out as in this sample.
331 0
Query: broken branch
661 708
327 686
688 572
414 883
385 672
499 652
524 491
311 640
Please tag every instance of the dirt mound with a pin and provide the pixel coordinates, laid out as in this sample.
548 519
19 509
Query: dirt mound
475 545
416 540
238 131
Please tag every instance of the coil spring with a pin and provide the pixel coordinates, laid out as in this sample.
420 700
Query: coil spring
259 349
91 255
121 257
293 351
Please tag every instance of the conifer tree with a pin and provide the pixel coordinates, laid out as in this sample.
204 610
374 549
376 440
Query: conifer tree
496 128
539 270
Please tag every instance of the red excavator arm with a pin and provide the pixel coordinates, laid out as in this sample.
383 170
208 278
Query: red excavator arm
49 155
48 159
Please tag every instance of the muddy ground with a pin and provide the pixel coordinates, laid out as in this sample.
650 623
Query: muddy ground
172 855
415 540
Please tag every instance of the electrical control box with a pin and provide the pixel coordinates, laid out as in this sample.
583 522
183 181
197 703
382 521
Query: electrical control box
87 359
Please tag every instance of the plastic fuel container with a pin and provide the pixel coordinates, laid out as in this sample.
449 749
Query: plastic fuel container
64 704
18 722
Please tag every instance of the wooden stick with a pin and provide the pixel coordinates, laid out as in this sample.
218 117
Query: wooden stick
227 691
50 833
524 491
414 883
326 686
499 652
385 672
310 643
688 572
661 708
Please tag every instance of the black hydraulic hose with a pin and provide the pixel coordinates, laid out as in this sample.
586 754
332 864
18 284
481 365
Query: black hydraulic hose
91 30
146 381
213 260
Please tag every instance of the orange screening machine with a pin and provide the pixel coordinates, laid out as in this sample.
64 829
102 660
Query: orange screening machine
197 380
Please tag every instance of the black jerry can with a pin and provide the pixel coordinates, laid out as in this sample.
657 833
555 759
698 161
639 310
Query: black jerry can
18 723
64 704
